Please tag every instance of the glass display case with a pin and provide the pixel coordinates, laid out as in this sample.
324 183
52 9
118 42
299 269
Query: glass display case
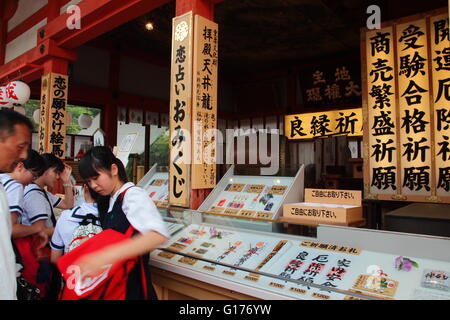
338 263
157 185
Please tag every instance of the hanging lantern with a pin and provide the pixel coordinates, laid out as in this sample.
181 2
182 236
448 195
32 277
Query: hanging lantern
36 115
85 121
4 101
18 92
19 109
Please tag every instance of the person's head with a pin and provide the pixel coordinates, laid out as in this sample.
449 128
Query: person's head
29 169
102 170
89 194
54 167
15 139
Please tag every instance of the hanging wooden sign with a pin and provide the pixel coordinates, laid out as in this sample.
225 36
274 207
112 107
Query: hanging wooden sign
180 110
53 113
204 103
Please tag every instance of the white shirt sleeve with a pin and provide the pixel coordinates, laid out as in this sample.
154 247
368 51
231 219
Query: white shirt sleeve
35 206
142 213
57 241
53 199
15 198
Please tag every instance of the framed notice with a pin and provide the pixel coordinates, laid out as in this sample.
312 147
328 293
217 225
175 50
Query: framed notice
125 147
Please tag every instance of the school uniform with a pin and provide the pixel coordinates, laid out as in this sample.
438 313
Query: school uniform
14 193
38 205
69 221
135 208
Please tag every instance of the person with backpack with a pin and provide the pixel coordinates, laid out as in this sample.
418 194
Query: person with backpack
39 203
76 225
14 182
131 214
38 211
27 240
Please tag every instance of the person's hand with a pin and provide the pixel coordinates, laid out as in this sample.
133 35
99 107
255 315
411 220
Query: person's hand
43 239
65 175
91 264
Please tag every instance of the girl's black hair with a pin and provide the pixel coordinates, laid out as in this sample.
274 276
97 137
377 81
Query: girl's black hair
34 162
97 159
102 202
100 158
53 162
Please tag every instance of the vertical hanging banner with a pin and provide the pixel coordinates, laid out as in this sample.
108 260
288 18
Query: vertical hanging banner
57 115
406 100
43 114
414 108
440 68
381 127
180 110
52 115
204 103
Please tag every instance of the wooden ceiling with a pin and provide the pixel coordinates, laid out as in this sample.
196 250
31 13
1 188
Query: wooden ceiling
259 35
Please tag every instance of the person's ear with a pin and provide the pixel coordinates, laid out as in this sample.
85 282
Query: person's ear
20 166
114 170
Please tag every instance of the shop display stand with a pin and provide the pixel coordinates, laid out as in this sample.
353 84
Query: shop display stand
340 263
247 216
156 184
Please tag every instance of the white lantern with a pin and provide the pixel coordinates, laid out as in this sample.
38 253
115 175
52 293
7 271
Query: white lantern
85 121
36 115
18 92
19 109
4 101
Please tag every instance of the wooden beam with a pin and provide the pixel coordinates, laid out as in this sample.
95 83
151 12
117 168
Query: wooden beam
37 56
97 17
49 11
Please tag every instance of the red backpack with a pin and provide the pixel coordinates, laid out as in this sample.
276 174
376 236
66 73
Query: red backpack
111 283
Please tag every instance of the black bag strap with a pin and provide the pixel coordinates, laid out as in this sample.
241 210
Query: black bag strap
52 217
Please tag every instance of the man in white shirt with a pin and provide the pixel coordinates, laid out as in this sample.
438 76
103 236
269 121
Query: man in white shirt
15 140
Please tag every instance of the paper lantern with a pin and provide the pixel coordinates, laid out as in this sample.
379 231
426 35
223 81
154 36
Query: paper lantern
19 109
4 101
18 92
36 115
85 121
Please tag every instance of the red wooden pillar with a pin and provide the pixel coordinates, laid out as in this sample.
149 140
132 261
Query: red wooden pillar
7 10
204 8
109 116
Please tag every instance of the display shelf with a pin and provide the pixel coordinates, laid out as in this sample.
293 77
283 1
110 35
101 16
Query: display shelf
253 197
269 265
157 186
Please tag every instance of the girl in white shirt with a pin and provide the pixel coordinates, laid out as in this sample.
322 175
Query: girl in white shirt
129 205
70 220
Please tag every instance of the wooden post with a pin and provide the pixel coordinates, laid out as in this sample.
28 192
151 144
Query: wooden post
204 8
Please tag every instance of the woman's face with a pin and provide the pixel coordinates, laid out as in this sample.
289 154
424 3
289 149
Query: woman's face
103 184
27 177
50 177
